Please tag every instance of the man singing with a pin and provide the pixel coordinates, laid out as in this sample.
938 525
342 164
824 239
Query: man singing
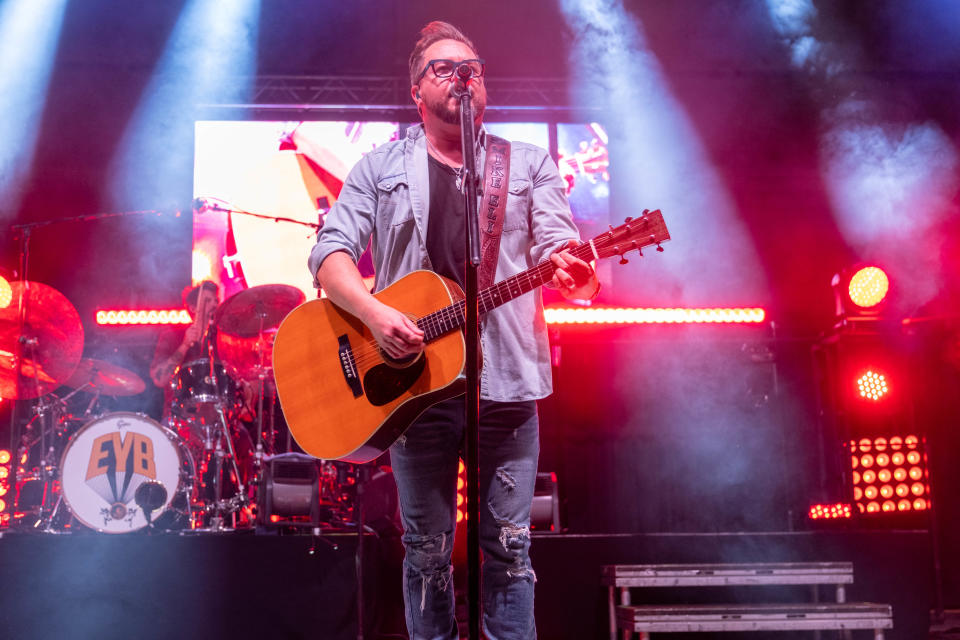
406 194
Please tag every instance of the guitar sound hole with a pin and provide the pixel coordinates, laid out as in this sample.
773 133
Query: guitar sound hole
384 383
397 362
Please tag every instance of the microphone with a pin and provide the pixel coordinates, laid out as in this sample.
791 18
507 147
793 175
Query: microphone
464 75
202 205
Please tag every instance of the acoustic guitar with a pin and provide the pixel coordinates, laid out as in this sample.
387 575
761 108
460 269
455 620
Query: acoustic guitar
345 398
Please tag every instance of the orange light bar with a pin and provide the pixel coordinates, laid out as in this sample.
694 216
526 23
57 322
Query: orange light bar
662 315
829 511
143 316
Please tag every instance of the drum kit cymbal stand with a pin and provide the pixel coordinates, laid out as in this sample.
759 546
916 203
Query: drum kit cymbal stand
41 348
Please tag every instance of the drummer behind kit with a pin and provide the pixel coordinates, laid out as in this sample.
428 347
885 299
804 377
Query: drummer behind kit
119 472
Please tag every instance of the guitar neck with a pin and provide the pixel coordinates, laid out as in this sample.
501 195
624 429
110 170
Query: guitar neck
453 317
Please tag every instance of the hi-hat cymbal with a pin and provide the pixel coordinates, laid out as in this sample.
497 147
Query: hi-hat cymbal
108 378
50 345
249 312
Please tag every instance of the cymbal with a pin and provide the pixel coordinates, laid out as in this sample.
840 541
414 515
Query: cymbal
247 357
246 313
108 378
51 342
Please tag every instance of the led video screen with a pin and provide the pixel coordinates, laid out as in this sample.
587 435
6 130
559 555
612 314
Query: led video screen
266 186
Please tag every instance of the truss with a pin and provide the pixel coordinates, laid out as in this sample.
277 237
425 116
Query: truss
536 97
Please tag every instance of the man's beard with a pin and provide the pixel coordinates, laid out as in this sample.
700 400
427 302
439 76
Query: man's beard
451 115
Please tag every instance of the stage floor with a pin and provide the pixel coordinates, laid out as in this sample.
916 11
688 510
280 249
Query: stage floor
242 585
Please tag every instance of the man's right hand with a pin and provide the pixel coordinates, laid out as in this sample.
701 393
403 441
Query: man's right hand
191 336
394 332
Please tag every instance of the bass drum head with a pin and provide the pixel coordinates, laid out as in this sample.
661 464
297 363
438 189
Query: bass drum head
109 458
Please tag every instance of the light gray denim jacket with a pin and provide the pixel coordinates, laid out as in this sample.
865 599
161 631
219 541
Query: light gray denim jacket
386 194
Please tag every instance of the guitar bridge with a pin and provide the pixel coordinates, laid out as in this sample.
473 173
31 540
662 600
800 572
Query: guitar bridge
349 366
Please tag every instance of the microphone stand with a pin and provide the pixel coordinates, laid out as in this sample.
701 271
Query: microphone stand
472 336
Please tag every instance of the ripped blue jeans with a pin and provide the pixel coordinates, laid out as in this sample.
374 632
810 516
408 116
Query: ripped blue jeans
425 462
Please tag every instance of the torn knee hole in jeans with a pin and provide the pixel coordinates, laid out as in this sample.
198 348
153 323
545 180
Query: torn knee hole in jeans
514 538
428 558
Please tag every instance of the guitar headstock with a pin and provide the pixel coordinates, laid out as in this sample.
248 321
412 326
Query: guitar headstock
635 233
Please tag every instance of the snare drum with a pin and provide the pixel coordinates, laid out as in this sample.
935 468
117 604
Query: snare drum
110 457
201 383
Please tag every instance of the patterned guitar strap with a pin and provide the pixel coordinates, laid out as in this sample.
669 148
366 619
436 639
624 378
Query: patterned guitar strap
493 207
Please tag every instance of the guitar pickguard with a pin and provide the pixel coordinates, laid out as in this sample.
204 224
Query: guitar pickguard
384 383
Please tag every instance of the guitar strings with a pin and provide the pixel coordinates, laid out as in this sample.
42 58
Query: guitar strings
441 321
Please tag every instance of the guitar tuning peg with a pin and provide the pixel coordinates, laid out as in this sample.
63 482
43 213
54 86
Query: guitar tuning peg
645 212
623 260
628 219
659 248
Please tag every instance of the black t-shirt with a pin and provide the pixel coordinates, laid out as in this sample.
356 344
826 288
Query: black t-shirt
446 229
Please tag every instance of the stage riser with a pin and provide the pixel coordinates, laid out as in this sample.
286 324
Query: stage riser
889 567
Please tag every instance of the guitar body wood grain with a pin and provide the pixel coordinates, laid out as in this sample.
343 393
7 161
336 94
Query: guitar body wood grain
323 413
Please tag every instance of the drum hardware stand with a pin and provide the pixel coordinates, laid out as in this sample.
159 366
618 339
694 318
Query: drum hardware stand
238 501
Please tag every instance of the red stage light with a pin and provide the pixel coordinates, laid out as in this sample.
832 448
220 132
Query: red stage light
3 504
4 456
897 488
868 287
4 473
670 315
143 316
872 386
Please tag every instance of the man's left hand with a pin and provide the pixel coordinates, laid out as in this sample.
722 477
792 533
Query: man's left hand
574 278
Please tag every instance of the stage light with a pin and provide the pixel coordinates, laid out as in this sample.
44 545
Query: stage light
4 456
872 386
860 292
29 32
6 293
868 287
461 491
893 486
829 511
210 57
668 315
142 316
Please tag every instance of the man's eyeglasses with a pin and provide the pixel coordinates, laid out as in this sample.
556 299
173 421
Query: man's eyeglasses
446 68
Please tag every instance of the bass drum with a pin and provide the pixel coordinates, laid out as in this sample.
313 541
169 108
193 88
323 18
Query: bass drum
108 459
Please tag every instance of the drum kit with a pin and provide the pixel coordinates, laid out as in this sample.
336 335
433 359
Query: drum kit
196 470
